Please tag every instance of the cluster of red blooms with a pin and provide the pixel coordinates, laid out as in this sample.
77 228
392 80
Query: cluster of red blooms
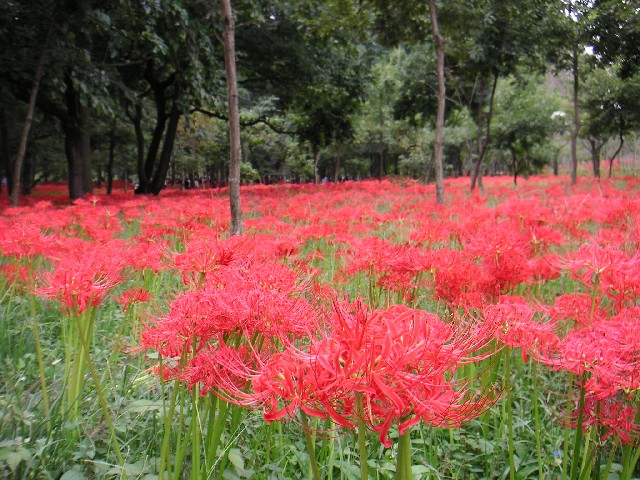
247 323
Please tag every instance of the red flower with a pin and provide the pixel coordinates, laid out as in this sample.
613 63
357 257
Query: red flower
133 295
517 329
79 282
400 360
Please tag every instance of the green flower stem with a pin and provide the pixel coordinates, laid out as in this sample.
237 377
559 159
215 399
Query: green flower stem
610 458
509 406
588 456
577 446
196 433
165 452
403 465
43 380
99 392
631 456
309 439
536 418
565 456
362 440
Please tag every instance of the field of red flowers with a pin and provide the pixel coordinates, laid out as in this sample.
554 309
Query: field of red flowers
357 330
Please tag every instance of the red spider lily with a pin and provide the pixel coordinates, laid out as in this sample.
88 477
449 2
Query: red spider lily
606 353
80 282
505 252
371 253
133 295
615 416
200 258
400 360
606 269
517 329
145 254
24 241
575 307
100 224
457 278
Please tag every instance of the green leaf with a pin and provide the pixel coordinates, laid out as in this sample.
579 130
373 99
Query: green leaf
73 475
13 457
235 457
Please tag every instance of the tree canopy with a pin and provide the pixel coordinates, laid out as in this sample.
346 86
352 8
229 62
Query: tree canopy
335 89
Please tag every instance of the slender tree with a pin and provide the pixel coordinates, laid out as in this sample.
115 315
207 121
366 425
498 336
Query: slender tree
235 154
439 139
17 166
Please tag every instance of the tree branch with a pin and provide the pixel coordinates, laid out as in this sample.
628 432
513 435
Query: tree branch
246 122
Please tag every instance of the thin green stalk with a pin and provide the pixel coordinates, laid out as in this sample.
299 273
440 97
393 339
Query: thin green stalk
509 409
565 455
165 453
331 455
577 446
630 457
536 418
610 458
589 456
43 380
99 392
630 453
362 439
196 433
309 439
403 465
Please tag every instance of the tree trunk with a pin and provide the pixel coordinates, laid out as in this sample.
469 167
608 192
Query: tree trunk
87 171
75 140
235 154
22 148
576 117
316 160
514 161
615 154
157 184
595 157
484 143
336 172
143 180
439 140
5 160
111 161
73 146
28 175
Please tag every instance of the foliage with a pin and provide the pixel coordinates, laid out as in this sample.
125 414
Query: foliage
287 317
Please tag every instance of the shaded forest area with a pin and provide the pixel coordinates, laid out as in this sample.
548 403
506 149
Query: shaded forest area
328 90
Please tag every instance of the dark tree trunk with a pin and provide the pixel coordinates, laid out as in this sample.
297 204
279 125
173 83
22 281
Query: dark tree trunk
439 140
615 154
380 157
160 176
5 157
87 171
28 175
73 147
316 160
336 171
484 143
576 117
17 166
143 180
112 151
76 140
514 163
595 156
235 153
